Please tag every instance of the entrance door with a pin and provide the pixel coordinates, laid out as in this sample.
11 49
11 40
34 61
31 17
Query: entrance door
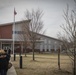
6 46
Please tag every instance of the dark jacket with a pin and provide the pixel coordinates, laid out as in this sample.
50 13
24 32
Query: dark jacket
4 60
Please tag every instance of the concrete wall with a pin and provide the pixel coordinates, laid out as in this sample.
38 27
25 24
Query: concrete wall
48 44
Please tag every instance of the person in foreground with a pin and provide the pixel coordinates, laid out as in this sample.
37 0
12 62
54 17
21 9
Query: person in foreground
4 61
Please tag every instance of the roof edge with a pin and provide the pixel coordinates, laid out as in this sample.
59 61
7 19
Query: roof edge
15 22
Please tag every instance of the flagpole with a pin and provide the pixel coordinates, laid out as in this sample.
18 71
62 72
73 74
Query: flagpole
14 33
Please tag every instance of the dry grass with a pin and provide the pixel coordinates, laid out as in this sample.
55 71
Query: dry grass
45 64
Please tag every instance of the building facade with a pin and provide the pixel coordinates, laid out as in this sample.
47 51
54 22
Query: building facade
47 44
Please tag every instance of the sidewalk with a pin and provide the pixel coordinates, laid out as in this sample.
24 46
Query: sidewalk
11 71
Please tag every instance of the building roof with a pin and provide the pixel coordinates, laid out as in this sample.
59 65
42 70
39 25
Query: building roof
49 37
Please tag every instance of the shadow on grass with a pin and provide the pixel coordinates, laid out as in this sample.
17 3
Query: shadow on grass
55 58
25 68
62 72
52 61
50 72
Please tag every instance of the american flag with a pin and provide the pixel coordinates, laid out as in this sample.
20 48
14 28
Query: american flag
15 12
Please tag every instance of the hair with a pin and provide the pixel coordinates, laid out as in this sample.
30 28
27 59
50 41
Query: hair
2 51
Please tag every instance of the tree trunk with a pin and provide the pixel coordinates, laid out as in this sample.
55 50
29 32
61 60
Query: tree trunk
59 59
33 55
25 52
75 63
74 71
33 49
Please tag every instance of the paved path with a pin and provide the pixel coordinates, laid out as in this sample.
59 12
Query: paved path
11 71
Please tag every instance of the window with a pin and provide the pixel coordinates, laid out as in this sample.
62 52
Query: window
18 32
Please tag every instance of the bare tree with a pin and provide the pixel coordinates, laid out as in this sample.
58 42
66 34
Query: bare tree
59 50
33 28
23 36
70 31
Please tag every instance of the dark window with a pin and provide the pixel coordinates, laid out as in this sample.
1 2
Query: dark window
18 32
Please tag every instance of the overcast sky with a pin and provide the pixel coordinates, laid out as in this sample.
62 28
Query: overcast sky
52 9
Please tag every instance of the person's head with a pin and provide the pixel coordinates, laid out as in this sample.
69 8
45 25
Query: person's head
2 51
5 50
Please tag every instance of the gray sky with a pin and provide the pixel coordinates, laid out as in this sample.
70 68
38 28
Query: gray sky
52 9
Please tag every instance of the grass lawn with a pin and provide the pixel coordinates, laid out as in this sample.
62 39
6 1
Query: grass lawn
44 64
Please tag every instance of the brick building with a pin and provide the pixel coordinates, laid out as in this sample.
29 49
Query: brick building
6 39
